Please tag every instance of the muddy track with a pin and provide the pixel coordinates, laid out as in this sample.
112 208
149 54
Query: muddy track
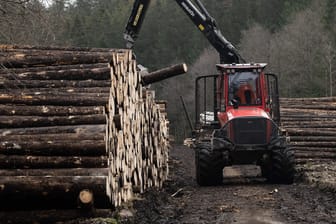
244 197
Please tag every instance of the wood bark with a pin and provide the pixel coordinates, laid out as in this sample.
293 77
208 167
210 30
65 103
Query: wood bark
72 74
50 192
310 123
310 132
75 129
313 149
38 121
54 147
58 91
68 172
5 70
30 48
164 73
32 162
309 160
316 144
26 84
317 155
127 137
308 100
313 138
66 137
57 100
20 110
51 58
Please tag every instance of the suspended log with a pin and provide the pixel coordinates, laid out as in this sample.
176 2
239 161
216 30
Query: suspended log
20 110
54 148
78 129
34 162
164 73
60 100
38 121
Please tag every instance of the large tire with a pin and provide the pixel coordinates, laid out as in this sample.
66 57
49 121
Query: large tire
209 165
282 167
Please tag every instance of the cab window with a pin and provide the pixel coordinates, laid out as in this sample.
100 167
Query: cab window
244 87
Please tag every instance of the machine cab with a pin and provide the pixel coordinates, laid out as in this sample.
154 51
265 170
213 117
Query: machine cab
239 90
242 90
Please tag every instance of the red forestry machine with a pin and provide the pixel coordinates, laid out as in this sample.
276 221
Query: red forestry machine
237 110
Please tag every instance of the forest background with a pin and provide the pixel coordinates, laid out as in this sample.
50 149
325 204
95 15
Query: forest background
296 38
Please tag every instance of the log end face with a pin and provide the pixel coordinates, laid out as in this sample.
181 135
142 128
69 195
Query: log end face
86 197
185 67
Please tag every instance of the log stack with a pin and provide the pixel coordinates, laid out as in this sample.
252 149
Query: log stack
311 125
77 124
138 134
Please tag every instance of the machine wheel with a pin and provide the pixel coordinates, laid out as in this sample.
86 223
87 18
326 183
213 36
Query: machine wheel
209 165
282 166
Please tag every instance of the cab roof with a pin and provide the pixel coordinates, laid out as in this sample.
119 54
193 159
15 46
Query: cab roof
222 67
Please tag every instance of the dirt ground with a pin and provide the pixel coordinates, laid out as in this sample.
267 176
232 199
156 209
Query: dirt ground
244 196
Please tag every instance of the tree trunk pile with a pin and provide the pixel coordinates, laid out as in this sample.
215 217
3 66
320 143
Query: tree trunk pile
311 125
77 129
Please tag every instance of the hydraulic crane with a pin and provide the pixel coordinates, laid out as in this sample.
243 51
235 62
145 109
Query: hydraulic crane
198 15
237 110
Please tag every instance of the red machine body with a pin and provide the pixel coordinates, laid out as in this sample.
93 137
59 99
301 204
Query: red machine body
253 96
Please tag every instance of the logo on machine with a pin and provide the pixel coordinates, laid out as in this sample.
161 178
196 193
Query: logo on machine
136 20
188 9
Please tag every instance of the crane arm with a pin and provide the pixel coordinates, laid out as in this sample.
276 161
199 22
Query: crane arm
135 22
199 16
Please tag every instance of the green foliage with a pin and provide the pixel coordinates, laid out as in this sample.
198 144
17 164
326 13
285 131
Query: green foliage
301 53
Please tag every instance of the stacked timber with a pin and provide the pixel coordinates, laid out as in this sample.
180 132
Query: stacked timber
138 134
311 125
77 129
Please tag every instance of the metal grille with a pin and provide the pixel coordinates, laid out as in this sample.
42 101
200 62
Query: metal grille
251 131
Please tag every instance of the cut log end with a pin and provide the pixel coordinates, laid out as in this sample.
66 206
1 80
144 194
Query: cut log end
85 199
185 67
